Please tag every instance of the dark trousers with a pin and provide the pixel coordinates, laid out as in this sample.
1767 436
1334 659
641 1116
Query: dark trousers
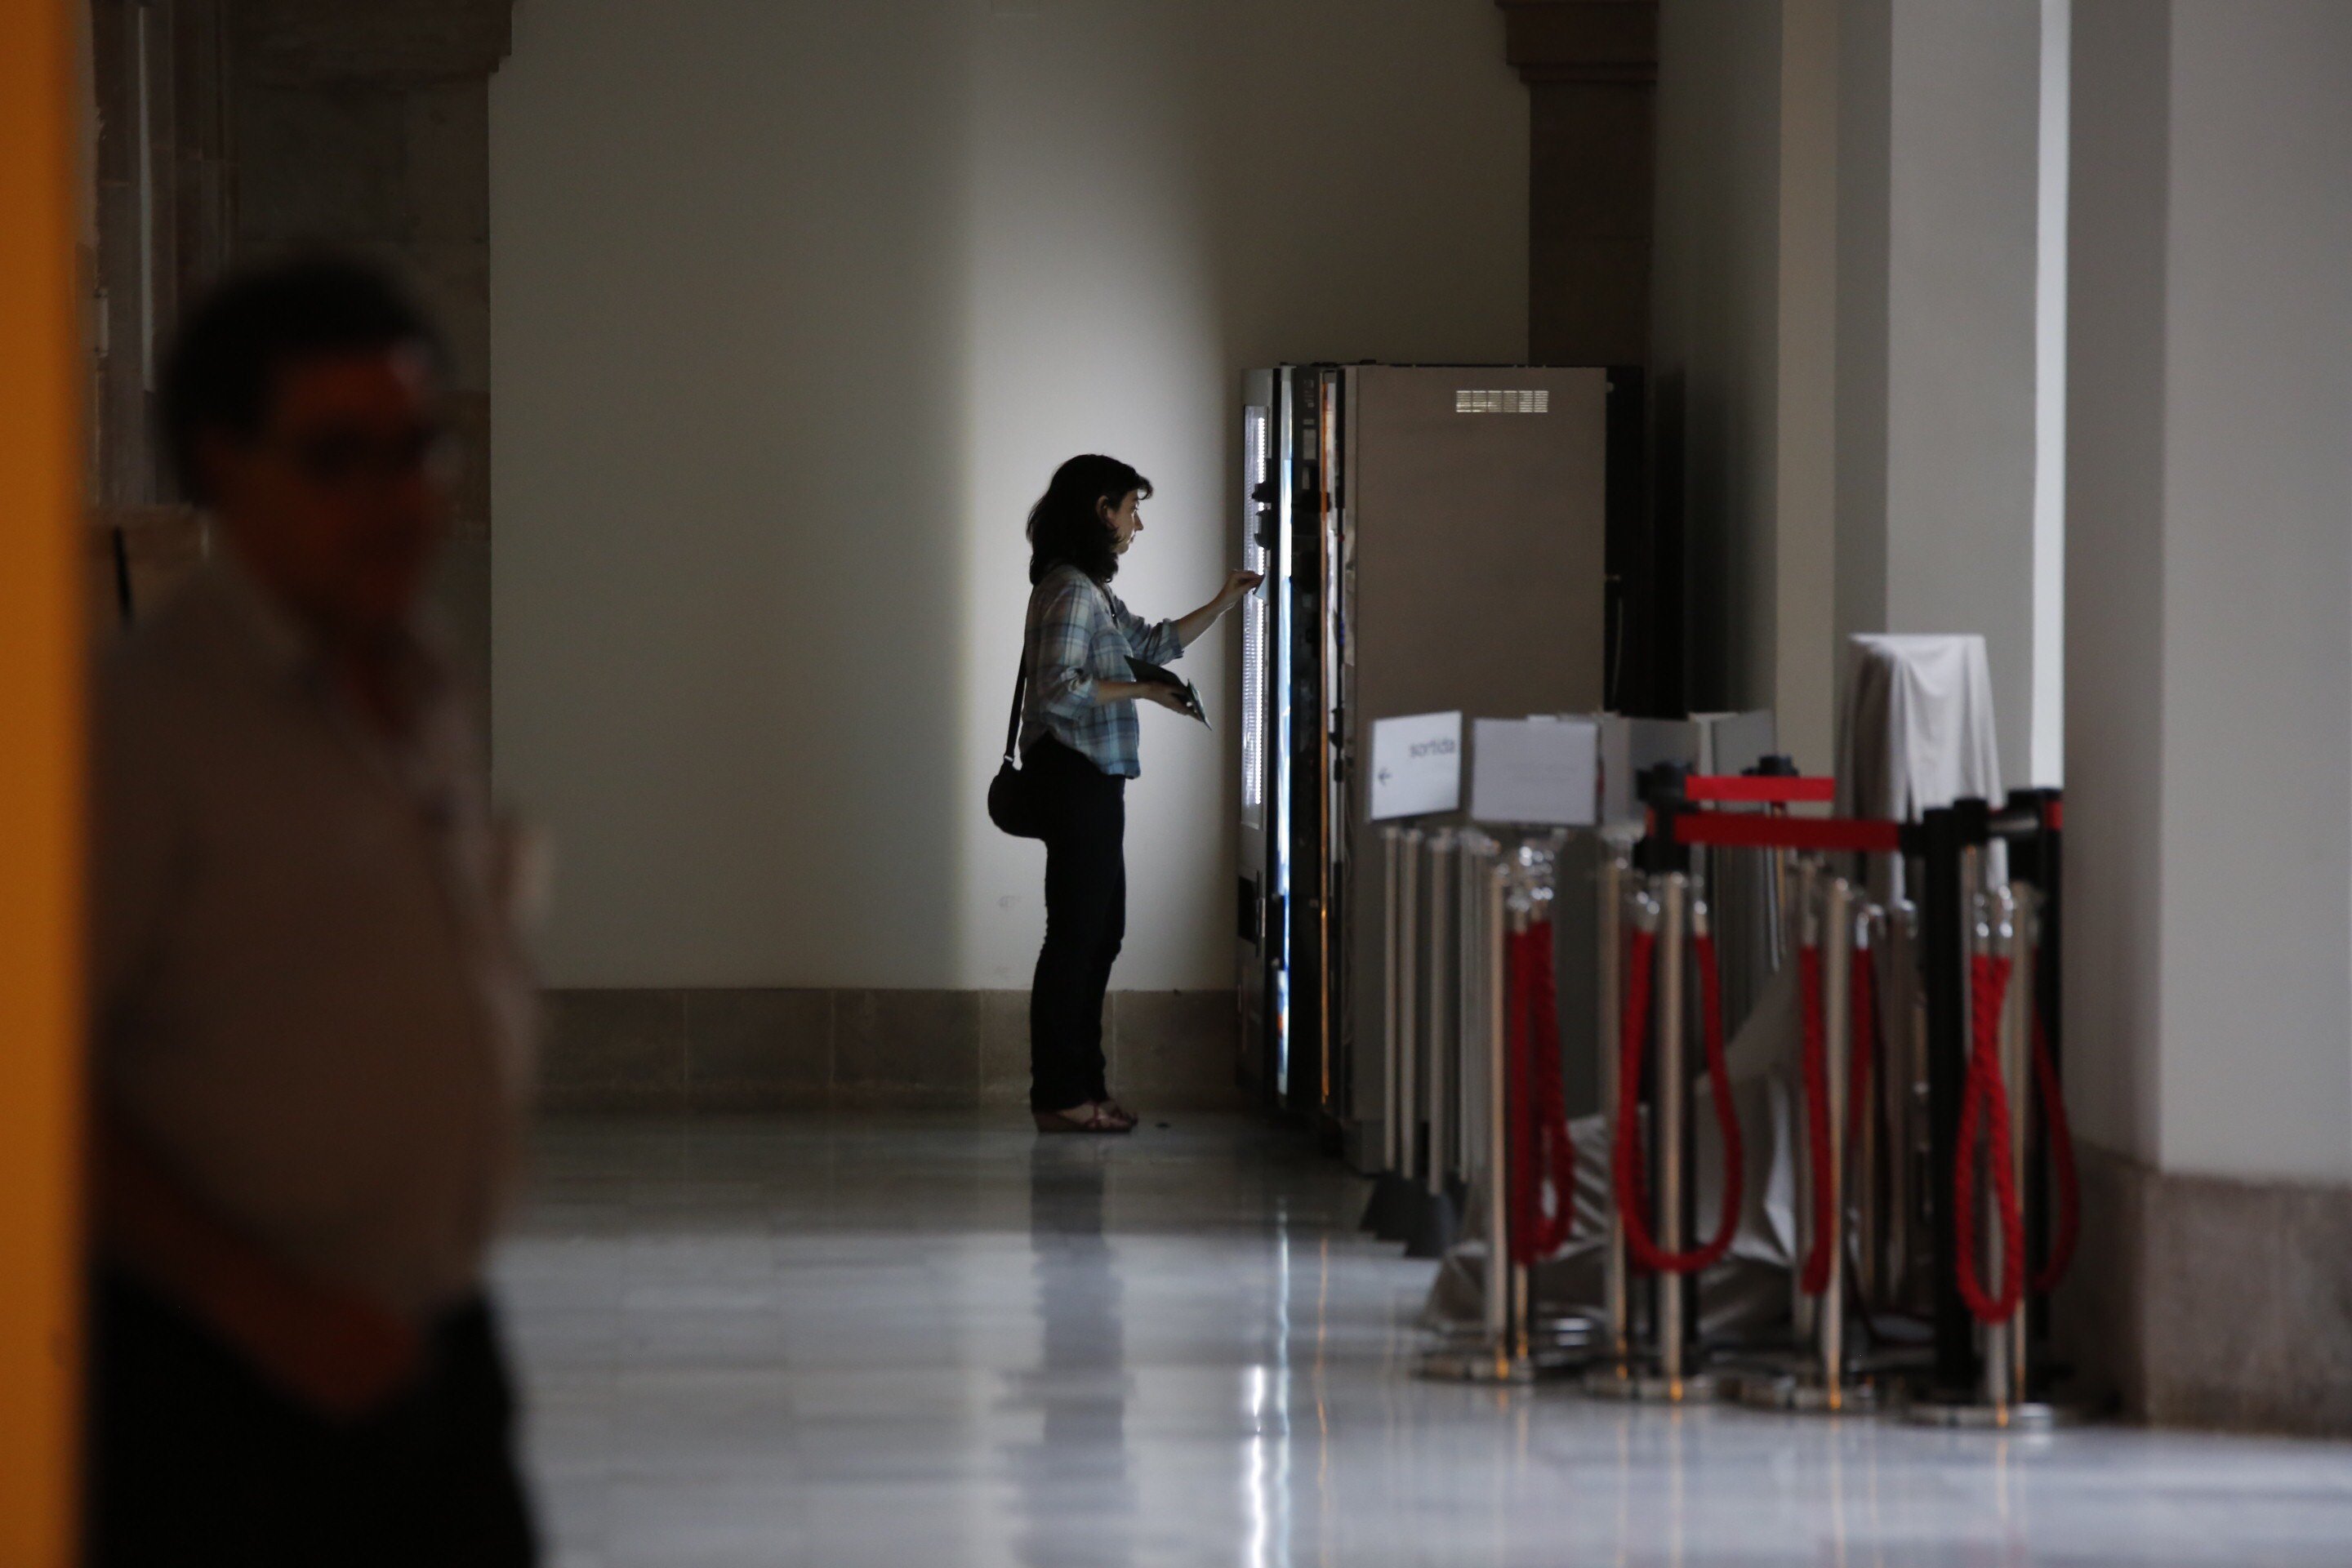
1086 919
194 1459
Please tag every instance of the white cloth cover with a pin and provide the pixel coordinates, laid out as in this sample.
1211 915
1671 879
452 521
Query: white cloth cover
1916 732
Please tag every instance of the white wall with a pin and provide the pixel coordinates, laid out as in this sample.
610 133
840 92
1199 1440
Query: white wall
797 304
2209 585
2257 844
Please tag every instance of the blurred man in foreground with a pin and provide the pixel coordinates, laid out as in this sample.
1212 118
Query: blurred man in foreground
310 1016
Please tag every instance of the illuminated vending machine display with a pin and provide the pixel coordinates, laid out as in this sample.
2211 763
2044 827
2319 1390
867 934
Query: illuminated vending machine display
1283 734
1291 869
1433 538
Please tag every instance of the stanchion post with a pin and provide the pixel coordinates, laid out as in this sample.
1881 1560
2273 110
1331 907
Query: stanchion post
1517 919
1992 937
1393 959
1837 1017
1436 1051
1408 1053
1805 921
1498 1148
2017 1076
1616 872
1869 926
1943 941
1822 1386
2048 936
1470 872
1898 1079
1672 1084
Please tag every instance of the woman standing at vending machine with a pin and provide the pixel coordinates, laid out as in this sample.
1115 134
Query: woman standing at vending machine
1088 660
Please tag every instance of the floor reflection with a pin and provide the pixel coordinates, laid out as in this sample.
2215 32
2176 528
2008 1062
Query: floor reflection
927 1340
1266 1450
1075 1493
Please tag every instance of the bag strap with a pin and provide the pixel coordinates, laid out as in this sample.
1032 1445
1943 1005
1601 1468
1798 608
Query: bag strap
1020 691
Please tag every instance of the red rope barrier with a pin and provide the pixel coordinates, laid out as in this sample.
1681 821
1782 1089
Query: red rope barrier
1759 789
1986 1099
1749 830
1543 1158
1815 1277
2052 1097
1633 1201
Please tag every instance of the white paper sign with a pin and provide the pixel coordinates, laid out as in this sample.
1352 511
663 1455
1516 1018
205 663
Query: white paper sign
1416 766
1541 771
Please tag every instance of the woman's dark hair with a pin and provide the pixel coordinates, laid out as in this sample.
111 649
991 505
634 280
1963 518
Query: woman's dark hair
1065 529
222 372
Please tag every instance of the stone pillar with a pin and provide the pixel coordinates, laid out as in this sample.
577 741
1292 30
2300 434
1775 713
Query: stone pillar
2209 712
365 127
1938 201
1591 70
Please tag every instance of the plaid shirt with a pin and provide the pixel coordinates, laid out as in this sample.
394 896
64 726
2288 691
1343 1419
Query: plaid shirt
1079 634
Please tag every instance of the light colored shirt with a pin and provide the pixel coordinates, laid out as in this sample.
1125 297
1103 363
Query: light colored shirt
308 1000
1079 634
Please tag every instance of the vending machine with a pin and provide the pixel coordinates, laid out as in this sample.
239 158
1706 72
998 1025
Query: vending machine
1433 538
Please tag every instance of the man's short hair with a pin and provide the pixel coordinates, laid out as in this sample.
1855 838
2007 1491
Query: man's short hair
222 369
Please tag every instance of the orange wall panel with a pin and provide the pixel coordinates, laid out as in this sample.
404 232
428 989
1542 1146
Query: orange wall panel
41 790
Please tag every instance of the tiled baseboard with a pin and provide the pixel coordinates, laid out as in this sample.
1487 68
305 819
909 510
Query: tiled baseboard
2205 1302
652 1051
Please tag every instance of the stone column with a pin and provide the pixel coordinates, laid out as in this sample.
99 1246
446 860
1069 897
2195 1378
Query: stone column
2209 710
1591 70
365 127
1937 203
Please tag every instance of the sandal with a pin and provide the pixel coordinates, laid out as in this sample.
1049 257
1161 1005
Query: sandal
1119 1113
1093 1119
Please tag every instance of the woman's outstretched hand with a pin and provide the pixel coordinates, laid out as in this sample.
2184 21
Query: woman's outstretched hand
1238 586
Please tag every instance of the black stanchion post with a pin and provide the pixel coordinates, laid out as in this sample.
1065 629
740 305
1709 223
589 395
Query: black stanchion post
1664 790
2048 875
1943 934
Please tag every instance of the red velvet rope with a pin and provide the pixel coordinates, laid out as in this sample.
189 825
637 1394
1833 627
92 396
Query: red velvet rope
1633 1201
1987 1098
2052 1097
1815 1277
1543 1158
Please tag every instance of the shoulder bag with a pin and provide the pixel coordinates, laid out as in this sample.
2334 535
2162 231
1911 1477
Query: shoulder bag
1013 803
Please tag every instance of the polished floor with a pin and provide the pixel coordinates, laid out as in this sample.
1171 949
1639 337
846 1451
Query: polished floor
946 1341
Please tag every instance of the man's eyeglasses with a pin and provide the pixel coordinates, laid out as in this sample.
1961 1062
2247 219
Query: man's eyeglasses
348 459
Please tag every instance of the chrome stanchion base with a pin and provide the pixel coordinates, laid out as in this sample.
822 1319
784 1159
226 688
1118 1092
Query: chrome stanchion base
1470 1364
1810 1395
1558 1348
1637 1384
2029 1416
